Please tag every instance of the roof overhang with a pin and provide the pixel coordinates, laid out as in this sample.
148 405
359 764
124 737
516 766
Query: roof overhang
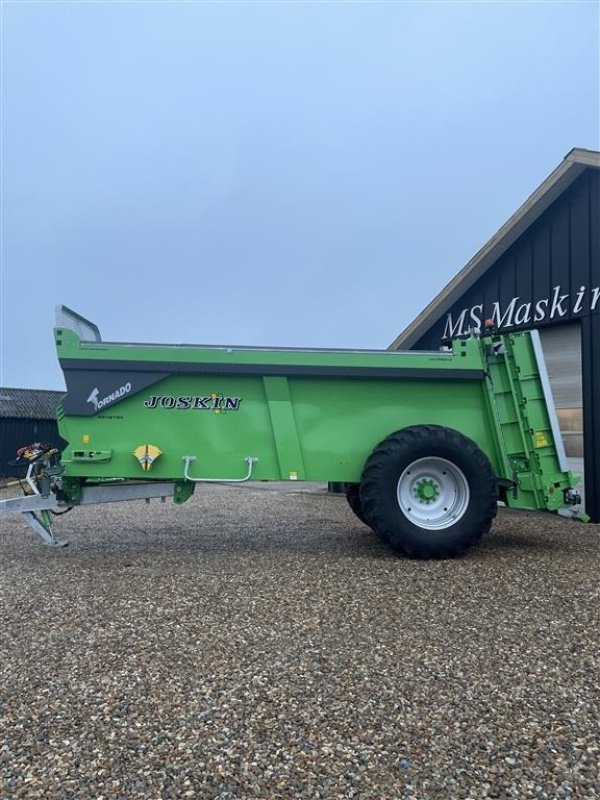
574 163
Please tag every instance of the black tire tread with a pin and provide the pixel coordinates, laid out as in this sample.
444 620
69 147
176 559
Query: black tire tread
396 446
355 503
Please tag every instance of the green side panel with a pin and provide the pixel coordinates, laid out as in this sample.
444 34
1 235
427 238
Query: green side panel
285 432
341 422
321 429
220 439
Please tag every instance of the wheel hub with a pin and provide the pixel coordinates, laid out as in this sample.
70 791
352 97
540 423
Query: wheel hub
426 490
433 493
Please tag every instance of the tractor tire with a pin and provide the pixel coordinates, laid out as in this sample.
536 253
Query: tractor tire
353 498
429 491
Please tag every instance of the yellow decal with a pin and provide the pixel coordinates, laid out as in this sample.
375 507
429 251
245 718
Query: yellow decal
85 438
540 440
147 454
293 475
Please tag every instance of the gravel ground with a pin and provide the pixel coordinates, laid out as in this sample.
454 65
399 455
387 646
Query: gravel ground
264 644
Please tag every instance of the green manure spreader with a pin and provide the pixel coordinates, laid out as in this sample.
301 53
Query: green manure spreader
426 443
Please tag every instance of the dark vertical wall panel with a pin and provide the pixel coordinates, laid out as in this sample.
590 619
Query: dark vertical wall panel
590 356
541 259
524 273
560 245
15 433
591 370
491 290
594 213
580 267
507 275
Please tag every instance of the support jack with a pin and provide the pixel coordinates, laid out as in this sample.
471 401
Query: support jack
44 529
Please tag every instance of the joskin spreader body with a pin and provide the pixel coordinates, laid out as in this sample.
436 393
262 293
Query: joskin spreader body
425 443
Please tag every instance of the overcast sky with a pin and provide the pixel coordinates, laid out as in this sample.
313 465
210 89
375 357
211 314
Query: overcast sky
270 173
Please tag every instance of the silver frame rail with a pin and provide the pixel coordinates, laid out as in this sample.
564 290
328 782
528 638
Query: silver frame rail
90 495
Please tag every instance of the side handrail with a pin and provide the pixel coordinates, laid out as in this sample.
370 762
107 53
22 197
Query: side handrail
187 460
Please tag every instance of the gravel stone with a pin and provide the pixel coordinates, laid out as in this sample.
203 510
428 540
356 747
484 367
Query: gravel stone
259 642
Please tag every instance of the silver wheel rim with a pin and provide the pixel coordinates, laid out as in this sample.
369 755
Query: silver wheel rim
433 493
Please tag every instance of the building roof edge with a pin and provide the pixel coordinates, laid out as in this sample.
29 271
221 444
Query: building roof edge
571 167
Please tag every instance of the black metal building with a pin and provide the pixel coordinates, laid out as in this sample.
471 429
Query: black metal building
541 271
26 416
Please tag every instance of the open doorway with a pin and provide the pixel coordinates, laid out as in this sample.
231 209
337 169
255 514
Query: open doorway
562 351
